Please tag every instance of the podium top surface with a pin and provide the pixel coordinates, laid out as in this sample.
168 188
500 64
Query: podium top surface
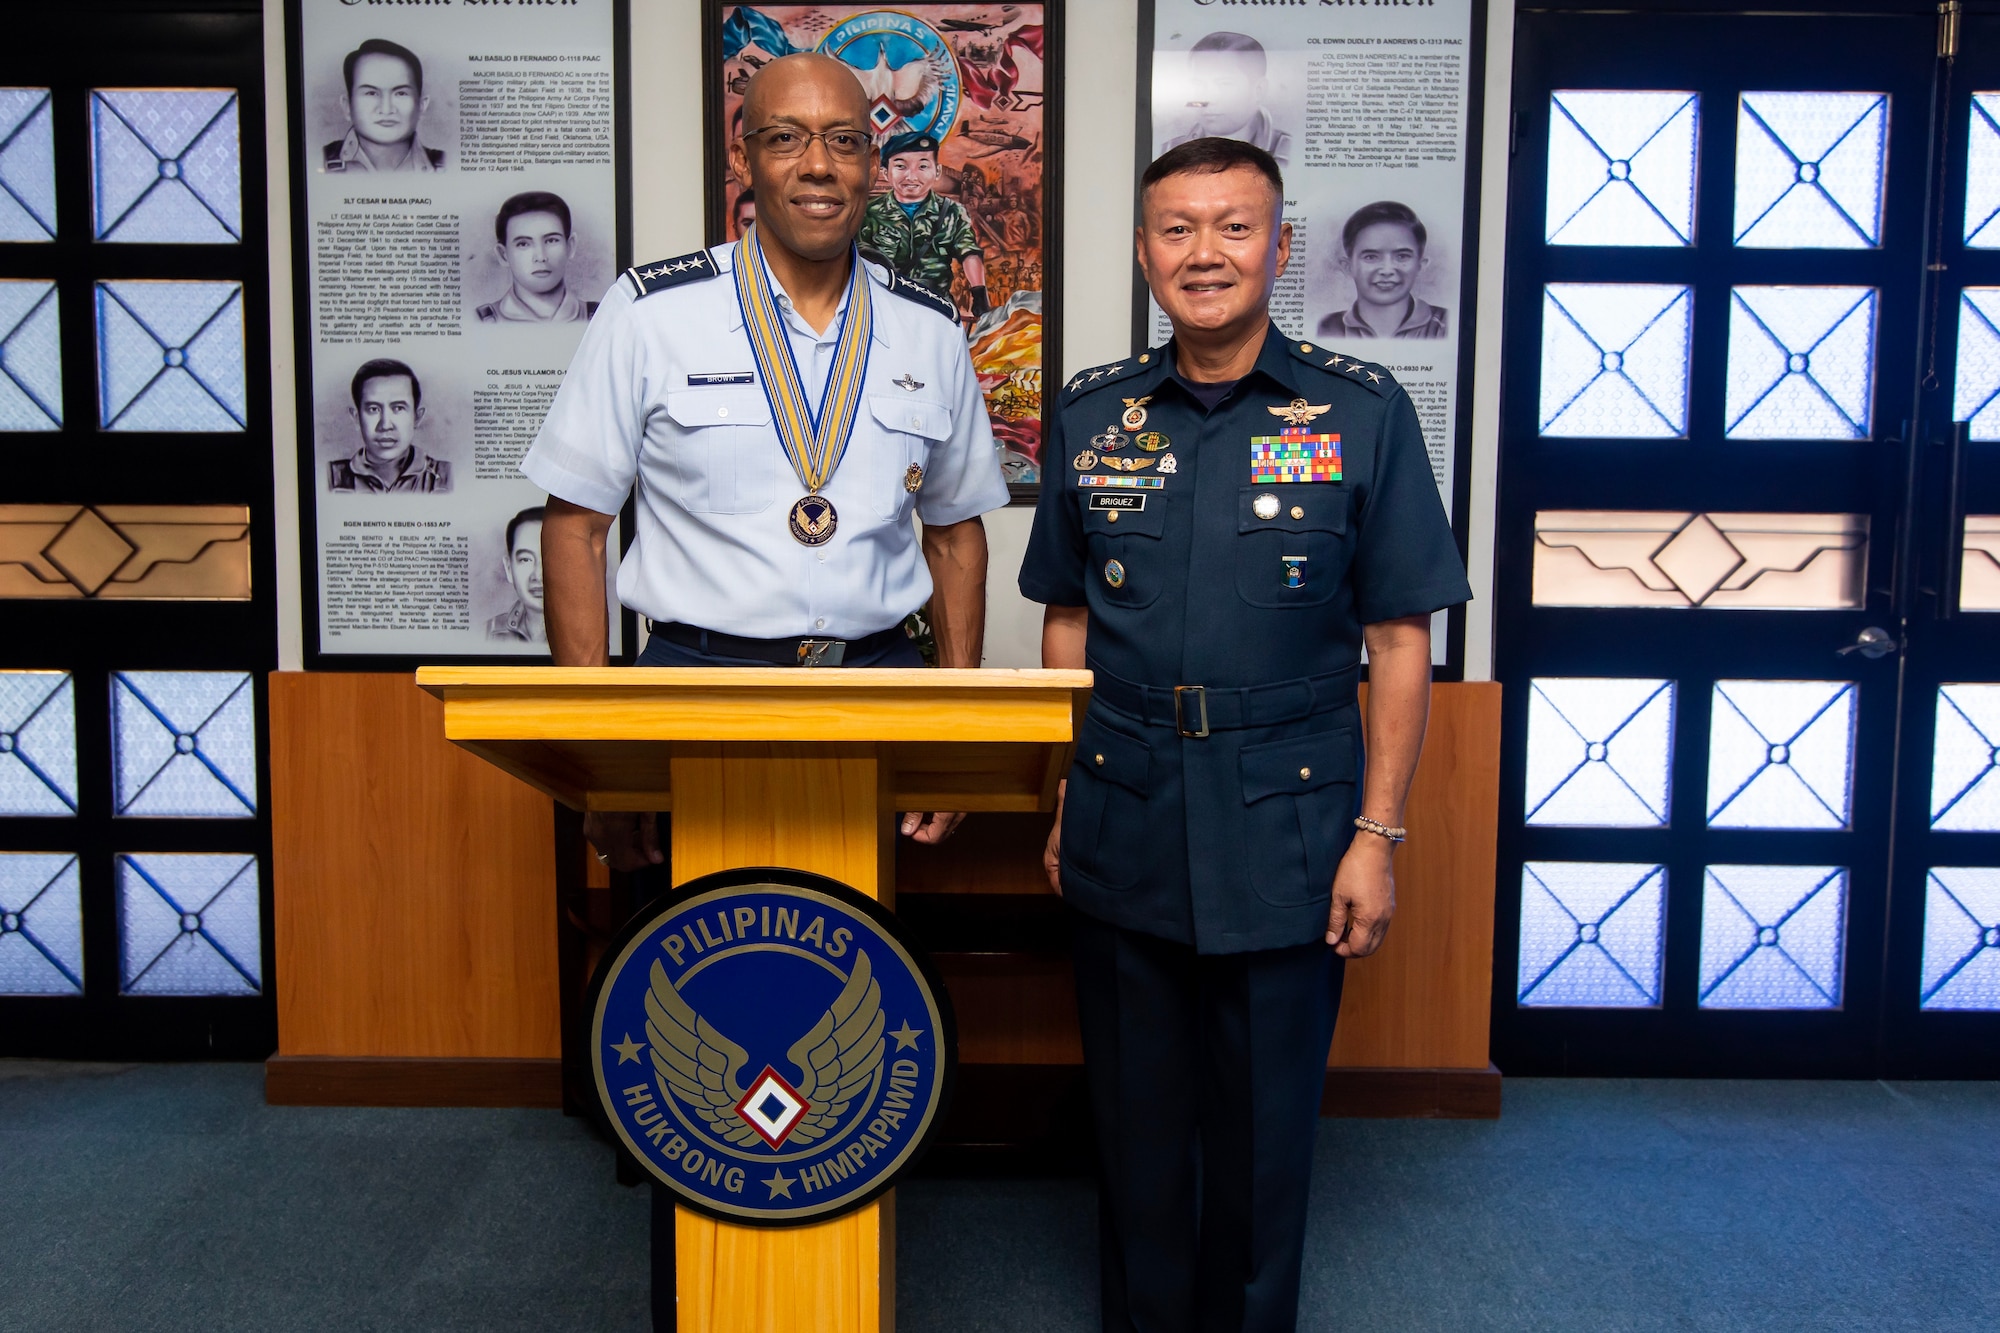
604 738
757 704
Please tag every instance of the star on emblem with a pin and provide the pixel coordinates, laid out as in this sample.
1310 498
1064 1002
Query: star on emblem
652 273
1072 385
1299 412
779 1182
1336 363
1098 373
1374 378
906 1036
1113 370
628 1050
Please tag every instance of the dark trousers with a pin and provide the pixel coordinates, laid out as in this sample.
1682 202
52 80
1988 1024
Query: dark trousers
657 880
1205 1078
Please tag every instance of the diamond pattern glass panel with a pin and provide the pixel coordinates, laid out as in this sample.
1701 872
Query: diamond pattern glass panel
1965 760
37 743
41 924
1979 573
1773 937
1976 397
164 165
189 924
1621 168
170 356
1790 562
1615 359
1982 174
1962 938
1592 935
1809 170
30 356
1781 754
1599 752
184 743
1801 363
27 166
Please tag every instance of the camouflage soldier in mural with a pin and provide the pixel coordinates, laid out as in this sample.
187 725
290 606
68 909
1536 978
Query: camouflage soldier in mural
919 231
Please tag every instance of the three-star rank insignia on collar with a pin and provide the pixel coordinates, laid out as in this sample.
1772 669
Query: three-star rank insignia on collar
649 278
1360 372
1097 376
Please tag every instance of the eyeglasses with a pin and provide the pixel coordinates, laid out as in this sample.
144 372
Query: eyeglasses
787 141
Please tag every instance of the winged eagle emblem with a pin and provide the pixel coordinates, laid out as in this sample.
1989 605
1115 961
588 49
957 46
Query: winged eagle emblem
836 1058
905 90
1299 412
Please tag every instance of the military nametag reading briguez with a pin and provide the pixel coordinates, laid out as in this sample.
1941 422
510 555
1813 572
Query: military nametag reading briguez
770 1046
1117 502
1123 483
728 377
1294 454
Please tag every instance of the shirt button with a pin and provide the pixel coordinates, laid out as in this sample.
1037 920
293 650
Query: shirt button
1100 760
1305 773
722 411
1111 517
1298 512
820 623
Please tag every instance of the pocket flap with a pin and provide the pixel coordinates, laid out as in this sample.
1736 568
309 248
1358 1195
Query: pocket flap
730 406
1298 764
1318 506
913 416
1114 756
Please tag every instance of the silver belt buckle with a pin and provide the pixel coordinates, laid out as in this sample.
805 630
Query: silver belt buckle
822 652
1198 694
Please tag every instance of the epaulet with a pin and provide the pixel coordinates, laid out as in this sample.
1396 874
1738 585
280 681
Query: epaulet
1099 376
1364 373
649 278
922 295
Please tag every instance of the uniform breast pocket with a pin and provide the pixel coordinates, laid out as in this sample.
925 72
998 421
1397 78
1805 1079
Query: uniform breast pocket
906 429
1124 530
725 458
1299 809
1292 544
1104 809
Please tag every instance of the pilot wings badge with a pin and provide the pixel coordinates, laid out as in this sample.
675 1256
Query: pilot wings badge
1298 412
807 983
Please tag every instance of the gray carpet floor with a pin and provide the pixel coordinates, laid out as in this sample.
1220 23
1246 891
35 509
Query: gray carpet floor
165 1198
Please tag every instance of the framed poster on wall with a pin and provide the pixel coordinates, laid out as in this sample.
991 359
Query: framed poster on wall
1374 116
967 120
457 211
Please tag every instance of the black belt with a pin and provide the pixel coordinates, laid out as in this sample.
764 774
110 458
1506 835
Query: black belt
778 652
1196 710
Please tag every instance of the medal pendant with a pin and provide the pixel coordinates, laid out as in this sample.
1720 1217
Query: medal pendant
813 520
913 479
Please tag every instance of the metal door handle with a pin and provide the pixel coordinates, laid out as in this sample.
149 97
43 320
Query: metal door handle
1871 643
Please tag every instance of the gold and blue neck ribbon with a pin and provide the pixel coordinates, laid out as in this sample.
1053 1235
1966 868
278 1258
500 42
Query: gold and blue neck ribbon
814 444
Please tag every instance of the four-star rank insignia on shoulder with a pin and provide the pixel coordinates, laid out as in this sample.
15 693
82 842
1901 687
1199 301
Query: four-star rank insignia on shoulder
1085 380
649 278
771 1046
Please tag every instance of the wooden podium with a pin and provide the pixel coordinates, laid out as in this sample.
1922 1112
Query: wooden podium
781 766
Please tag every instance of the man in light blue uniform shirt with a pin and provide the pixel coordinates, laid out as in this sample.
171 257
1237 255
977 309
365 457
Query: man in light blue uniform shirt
755 545
737 558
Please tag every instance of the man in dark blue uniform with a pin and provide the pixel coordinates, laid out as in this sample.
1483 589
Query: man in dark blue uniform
1226 522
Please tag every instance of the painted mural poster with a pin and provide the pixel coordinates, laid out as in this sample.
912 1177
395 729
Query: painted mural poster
459 227
957 96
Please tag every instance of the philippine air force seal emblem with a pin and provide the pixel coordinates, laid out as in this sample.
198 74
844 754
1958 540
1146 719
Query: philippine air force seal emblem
770 1046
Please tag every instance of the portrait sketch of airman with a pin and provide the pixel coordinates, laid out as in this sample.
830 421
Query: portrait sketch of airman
387 409
382 95
1227 95
534 237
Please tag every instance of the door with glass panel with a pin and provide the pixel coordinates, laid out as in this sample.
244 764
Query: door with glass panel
135 533
1717 479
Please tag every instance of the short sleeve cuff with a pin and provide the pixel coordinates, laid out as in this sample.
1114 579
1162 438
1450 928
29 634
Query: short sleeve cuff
1047 593
564 484
940 512
1415 602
